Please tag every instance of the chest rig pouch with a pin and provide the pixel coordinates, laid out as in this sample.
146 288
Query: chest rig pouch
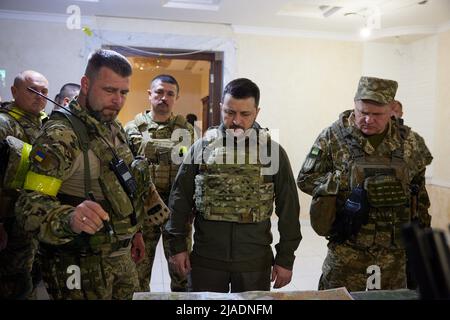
385 180
232 192
157 146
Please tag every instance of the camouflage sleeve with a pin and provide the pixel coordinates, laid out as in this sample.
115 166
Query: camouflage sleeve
287 208
423 201
7 127
134 137
317 176
422 157
52 157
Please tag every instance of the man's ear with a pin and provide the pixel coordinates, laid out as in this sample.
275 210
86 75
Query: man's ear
84 85
257 111
14 92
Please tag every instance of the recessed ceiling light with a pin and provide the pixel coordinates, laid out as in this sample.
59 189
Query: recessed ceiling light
211 5
365 32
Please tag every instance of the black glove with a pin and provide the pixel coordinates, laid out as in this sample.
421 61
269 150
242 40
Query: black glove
353 215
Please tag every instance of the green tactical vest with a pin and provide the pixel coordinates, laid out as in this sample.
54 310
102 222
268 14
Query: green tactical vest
386 180
126 211
157 147
231 192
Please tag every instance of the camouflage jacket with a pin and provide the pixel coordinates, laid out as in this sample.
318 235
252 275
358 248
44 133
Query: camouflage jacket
326 170
54 156
157 130
235 246
24 126
18 123
142 130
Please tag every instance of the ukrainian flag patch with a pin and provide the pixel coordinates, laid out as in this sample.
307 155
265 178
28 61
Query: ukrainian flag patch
40 156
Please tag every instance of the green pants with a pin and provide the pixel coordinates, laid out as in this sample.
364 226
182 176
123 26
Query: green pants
345 266
101 278
16 261
151 235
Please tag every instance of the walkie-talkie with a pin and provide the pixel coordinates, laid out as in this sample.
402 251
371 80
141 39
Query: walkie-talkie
124 175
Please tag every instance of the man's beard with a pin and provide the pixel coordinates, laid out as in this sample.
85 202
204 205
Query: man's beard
97 114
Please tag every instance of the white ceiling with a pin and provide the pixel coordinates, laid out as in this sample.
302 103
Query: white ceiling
302 15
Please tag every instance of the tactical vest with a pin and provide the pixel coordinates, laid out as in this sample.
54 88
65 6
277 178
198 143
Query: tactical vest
125 210
157 146
232 192
386 180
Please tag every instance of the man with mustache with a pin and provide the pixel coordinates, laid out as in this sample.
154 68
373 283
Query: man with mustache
85 190
366 174
150 134
21 119
231 185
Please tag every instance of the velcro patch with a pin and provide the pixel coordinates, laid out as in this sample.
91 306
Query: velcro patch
314 152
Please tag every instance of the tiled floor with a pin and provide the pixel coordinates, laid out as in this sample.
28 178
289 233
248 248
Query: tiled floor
307 268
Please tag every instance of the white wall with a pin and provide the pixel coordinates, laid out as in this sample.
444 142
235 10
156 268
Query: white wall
49 48
413 65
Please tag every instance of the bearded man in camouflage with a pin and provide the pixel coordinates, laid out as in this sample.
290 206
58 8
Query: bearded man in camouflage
150 134
85 190
366 174
231 184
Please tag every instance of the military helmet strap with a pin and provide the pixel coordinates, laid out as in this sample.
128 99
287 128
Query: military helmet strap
83 138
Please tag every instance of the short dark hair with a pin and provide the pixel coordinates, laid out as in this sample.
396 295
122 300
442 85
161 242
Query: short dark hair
69 90
109 59
191 118
242 88
167 79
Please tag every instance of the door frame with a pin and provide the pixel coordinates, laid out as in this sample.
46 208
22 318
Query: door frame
215 75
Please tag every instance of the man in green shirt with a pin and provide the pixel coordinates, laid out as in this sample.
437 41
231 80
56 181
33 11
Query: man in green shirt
231 186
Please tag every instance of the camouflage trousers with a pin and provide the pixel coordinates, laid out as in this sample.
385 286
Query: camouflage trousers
100 277
347 267
151 235
16 262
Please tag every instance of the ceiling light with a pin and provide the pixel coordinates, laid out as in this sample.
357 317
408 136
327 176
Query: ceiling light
365 32
211 5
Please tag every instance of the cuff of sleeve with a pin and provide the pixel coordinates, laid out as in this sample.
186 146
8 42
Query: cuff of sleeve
286 262
65 230
177 245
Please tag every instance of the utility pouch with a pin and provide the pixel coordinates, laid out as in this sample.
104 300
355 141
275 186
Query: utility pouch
385 191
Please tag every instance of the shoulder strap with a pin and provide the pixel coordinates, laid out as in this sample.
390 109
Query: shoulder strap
343 135
11 113
82 135
179 121
403 134
142 125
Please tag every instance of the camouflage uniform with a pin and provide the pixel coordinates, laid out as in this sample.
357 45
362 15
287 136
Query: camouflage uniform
233 204
57 182
329 174
17 258
152 140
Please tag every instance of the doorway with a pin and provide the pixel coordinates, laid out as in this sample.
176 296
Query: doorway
200 76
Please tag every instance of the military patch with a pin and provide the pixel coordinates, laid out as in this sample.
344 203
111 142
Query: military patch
43 159
311 159
314 152
39 156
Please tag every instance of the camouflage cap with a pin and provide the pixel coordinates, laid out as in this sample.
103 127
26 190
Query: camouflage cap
376 89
